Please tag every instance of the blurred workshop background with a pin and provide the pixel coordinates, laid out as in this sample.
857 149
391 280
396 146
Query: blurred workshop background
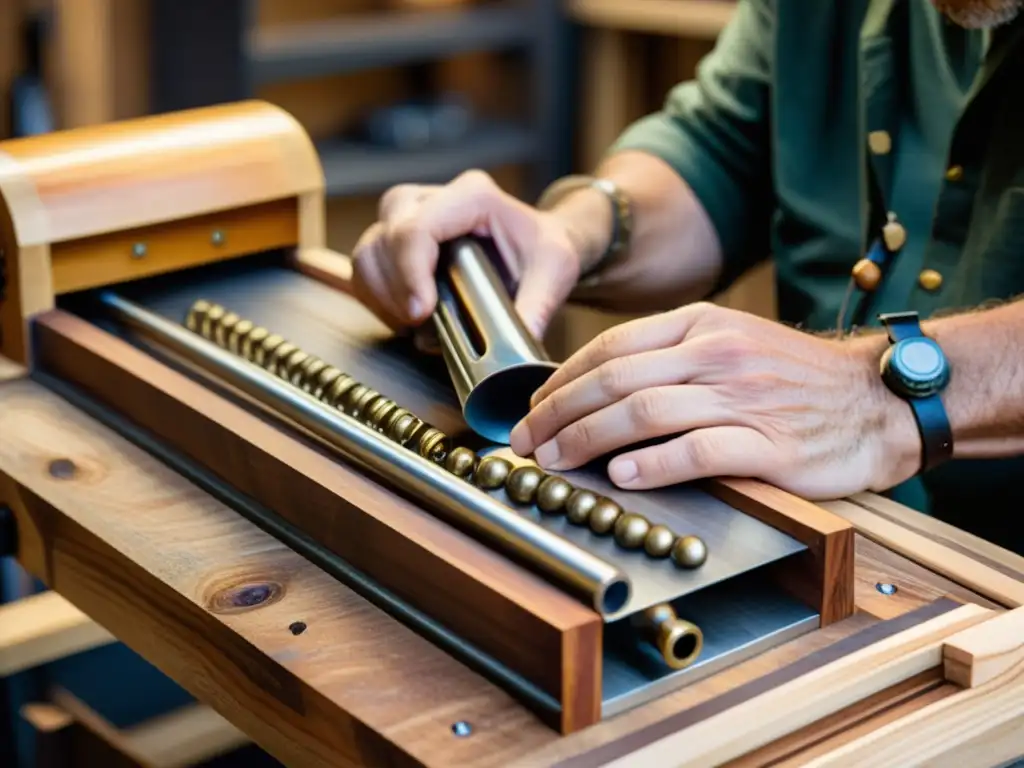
391 91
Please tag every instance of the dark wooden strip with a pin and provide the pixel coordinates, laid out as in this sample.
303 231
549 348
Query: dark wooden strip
781 676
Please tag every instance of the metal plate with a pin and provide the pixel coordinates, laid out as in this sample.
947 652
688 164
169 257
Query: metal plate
736 542
740 619
338 329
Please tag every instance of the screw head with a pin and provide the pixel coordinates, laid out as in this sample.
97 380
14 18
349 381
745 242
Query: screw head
217 238
138 250
462 729
886 588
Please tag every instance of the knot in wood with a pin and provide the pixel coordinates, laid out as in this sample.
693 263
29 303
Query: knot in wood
244 597
62 469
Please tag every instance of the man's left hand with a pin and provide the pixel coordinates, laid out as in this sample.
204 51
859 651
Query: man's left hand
725 393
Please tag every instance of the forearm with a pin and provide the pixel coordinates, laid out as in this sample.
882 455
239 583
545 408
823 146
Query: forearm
674 255
985 395
984 399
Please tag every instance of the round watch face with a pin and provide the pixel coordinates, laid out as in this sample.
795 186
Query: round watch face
920 366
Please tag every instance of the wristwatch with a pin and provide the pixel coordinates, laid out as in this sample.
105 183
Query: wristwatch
915 368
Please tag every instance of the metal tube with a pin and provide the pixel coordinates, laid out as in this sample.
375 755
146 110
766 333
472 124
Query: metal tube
581 572
474 309
678 641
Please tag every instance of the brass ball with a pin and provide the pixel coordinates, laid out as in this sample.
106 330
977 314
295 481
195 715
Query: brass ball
579 505
491 472
252 343
276 358
194 319
689 552
522 484
659 541
239 331
433 445
210 321
631 530
226 324
553 494
290 367
460 462
867 275
402 427
604 515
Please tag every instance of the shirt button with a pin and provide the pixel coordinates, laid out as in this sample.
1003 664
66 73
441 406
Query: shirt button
894 234
930 280
866 275
954 173
880 142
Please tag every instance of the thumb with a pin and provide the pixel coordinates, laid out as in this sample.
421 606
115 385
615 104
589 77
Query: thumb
545 285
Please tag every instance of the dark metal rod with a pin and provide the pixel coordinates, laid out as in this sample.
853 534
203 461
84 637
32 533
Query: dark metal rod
577 570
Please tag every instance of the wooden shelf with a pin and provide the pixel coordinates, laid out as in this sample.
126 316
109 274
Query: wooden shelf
694 19
352 168
296 51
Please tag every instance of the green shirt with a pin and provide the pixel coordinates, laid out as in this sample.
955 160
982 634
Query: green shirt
773 137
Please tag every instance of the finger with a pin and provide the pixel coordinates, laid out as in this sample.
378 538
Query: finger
723 451
468 204
543 288
370 287
396 201
409 269
647 414
606 384
634 337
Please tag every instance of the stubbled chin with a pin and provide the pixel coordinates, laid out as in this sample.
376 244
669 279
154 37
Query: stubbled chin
979 14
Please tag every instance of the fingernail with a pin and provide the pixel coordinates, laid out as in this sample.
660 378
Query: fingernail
415 308
548 454
520 439
622 472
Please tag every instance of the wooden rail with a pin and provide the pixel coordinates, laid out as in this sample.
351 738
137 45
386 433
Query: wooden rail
43 628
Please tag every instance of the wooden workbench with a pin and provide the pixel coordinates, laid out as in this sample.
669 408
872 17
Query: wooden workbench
317 675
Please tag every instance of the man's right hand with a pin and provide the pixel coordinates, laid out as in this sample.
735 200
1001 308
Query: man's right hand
396 258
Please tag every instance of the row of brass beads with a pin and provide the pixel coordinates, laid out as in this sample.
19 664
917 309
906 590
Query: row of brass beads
552 495
524 485
314 376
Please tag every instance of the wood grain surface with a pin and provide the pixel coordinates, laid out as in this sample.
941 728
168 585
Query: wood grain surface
209 599
117 177
114 258
980 724
983 568
794 704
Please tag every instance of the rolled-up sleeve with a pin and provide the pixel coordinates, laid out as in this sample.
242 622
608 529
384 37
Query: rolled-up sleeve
715 132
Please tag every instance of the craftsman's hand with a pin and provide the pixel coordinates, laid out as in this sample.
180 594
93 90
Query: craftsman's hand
396 257
715 392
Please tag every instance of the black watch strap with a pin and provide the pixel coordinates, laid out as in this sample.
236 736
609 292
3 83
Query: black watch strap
922 393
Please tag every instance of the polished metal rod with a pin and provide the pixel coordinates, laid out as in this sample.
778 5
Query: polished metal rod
579 571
